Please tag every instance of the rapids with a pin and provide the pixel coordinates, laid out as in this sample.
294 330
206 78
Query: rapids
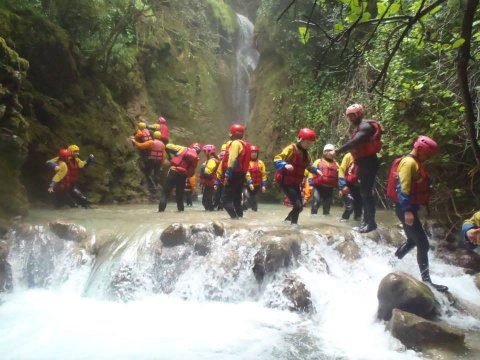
125 304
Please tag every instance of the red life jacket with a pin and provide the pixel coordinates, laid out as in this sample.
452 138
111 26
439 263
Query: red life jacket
243 160
294 177
352 173
420 190
165 132
185 162
330 174
145 136
157 150
73 171
372 146
255 173
209 180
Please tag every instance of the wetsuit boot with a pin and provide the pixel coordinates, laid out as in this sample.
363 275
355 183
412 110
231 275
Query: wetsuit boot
426 279
404 249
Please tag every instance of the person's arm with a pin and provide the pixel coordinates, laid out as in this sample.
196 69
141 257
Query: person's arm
143 146
470 228
263 170
52 163
364 134
233 153
281 160
172 150
406 172
59 175
210 167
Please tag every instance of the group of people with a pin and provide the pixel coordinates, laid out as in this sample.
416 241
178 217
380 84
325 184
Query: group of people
66 167
233 178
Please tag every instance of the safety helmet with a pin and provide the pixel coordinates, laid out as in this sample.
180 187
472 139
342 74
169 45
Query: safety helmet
142 125
254 148
155 126
73 148
222 154
237 130
64 154
354 109
209 149
161 120
328 147
157 135
307 134
428 145
196 146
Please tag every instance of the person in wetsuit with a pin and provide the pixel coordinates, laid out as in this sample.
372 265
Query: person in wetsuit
364 145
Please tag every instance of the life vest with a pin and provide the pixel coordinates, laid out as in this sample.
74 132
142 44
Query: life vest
420 190
157 150
73 171
352 173
243 160
330 174
294 177
165 132
185 162
255 173
209 180
372 146
145 136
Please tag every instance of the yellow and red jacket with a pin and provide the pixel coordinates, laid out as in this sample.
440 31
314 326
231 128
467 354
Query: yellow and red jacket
256 174
300 160
156 147
371 147
183 160
347 171
208 172
408 183
329 170
236 158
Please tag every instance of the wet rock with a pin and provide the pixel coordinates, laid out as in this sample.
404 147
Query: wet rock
103 239
402 291
5 268
330 233
67 231
298 294
373 235
477 280
416 332
275 253
462 257
125 283
202 242
349 250
197 228
174 235
218 228
391 236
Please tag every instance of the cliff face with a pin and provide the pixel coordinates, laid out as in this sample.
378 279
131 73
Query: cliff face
177 63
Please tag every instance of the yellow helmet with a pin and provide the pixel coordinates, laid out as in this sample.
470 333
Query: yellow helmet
155 126
142 125
157 135
224 147
73 148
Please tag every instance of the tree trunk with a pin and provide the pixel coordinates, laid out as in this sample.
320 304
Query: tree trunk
462 74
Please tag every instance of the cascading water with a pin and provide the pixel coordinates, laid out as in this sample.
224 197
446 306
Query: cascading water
121 294
246 62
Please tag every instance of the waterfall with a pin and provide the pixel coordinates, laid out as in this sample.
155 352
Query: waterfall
246 62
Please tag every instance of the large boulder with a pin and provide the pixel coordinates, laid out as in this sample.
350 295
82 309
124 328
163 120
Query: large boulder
174 235
416 332
276 252
462 257
67 231
349 250
402 291
202 242
218 228
296 291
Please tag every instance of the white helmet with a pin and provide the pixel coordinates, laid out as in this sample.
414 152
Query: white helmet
328 147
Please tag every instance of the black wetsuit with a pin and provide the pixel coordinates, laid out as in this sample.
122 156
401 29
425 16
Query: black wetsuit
352 202
177 180
322 195
367 171
232 195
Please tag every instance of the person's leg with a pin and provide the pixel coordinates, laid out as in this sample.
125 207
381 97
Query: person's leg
254 197
316 200
295 196
208 194
179 190
367 171
238 182
326 193
357 202
167 189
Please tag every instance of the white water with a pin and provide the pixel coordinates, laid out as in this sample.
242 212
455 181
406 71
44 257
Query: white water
247 59
214 308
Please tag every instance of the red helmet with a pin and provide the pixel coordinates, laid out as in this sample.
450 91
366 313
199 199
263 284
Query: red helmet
354 109
237 130
209 149
254 148
222 154
196 146
161 120
427 144
64 153
307 134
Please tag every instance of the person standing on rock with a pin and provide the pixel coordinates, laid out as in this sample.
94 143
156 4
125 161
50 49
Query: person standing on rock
409 187
324 180
234 168
290 167
256 180
182 166
364 145
471 230
349 188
